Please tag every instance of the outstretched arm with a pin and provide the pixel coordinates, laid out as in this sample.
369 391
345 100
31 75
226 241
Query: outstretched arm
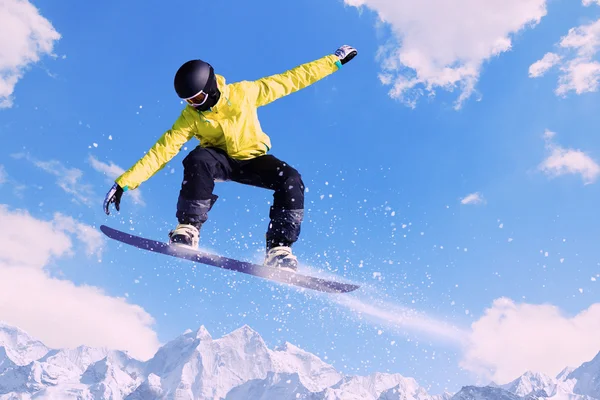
165 148
271 88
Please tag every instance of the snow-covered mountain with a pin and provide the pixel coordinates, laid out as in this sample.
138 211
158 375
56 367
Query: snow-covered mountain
234 367
587 378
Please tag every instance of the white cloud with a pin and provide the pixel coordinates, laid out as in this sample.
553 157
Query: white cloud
473 198
579 67
590 2
113 171
549 135
510 339
540 67
3 175
69 179
25 36
92 238
58 312
563 161
443 44
28 242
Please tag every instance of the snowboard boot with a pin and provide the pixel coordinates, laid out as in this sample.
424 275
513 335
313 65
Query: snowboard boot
185 235
281 257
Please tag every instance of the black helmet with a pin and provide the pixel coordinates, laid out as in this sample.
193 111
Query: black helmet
194 76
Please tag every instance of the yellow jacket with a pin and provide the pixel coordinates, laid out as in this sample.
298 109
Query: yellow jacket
232 124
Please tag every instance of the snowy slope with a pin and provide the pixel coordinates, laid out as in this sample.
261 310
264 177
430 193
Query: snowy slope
485 393
234 367
532 382
588 378
19 346
373 386
313 372
274 386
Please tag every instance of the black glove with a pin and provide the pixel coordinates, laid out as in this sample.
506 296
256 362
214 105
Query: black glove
113 196
346 53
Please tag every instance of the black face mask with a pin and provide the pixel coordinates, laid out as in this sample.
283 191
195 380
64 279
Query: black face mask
213 98
213 93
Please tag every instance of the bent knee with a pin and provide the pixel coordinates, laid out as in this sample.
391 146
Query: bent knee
291 180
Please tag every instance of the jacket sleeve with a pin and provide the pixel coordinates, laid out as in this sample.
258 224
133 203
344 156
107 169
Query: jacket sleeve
165 148
271 88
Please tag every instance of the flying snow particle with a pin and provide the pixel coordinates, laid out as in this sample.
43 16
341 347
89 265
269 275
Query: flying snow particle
501 226
510 240
95 144
379 332
580 290
562 260
109 137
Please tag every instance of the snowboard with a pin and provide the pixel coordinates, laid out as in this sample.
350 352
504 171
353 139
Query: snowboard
186 253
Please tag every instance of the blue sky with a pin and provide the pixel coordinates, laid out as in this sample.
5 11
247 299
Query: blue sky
451 170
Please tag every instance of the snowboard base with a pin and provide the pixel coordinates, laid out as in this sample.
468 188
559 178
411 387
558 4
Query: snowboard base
278 275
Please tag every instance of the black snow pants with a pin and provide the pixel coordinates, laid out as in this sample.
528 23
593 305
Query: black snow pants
204 166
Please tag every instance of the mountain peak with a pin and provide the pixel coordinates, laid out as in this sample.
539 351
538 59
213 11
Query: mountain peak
203 334
12 334
245 329
239 366
20 347
244 333
588 378
564 374
530 382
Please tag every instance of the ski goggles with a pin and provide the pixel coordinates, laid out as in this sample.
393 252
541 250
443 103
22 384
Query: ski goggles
198 99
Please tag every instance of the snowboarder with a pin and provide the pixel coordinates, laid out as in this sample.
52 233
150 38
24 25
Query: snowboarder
233 147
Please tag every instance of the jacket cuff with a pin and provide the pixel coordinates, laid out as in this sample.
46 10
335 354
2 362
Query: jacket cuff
123 185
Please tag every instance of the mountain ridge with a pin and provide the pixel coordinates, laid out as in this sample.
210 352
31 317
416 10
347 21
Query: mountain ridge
236 366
